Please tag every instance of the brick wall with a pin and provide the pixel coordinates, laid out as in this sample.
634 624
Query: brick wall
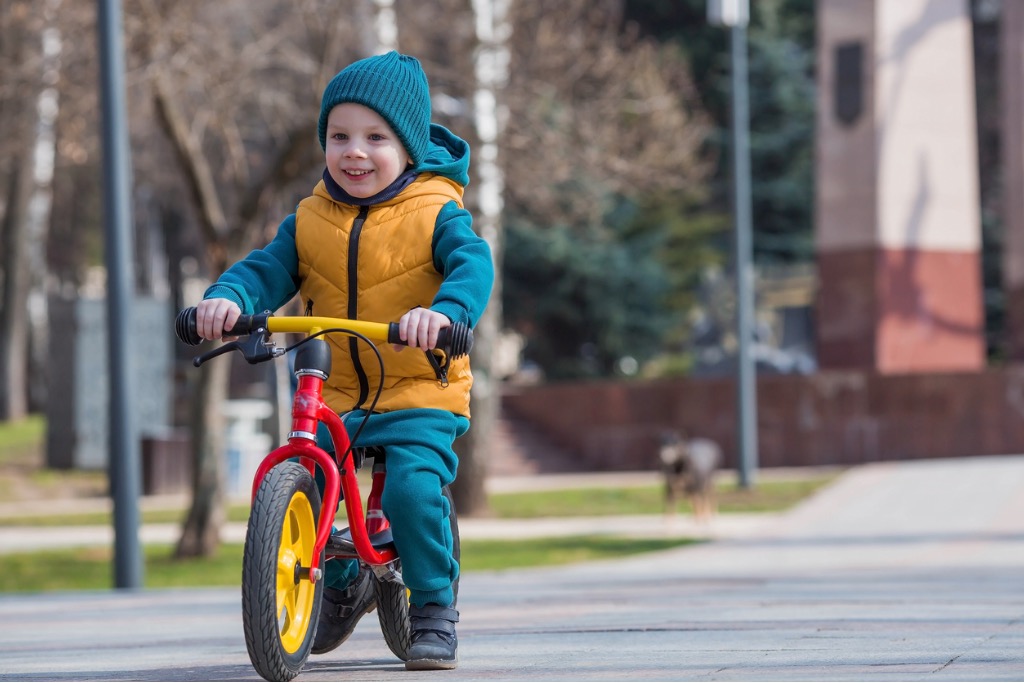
831 418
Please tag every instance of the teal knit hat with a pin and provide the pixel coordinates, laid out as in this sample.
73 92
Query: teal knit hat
394 86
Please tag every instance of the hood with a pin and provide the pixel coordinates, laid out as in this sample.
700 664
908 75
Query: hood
447 155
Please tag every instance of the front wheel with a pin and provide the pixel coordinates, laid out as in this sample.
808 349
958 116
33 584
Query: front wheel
280 606
393 597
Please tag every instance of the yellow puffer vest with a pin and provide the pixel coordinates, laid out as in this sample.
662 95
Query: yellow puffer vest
377 270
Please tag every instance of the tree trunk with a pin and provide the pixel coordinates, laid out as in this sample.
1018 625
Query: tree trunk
40 206
28 168
491 68
16 279
200 535
469 488
385 26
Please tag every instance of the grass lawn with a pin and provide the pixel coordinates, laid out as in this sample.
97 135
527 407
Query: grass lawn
23 474
21 439
767 496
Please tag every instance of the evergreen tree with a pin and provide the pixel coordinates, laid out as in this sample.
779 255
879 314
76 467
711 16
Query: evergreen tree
782 101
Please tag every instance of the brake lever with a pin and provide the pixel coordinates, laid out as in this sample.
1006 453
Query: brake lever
219 351
256 348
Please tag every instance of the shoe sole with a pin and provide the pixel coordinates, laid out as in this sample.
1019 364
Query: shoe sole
431 664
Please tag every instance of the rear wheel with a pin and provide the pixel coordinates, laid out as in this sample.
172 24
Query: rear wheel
393 614
393 597
280 606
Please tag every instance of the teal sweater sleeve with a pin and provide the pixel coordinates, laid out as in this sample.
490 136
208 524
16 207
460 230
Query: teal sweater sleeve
464 259
264 280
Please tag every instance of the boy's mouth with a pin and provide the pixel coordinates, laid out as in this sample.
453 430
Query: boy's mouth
357 173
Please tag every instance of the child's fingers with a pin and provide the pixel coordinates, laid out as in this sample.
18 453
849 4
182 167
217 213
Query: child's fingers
231 317
213 316
420 327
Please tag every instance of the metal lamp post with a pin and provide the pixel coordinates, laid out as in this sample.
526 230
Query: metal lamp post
124 445
736 15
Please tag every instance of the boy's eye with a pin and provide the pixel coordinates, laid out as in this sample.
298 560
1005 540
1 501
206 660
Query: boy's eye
376 137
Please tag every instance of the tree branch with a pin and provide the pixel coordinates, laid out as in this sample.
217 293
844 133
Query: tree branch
198 175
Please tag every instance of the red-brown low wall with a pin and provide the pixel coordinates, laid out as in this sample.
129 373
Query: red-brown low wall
831 418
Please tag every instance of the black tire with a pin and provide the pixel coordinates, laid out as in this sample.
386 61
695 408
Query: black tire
393 598
393 614
280 622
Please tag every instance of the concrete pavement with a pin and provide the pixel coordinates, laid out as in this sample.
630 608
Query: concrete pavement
897 572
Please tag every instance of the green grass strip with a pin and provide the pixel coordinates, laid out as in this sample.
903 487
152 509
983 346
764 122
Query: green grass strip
768 496
20 438
235 513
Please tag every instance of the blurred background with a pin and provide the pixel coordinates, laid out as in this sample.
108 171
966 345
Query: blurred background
886 161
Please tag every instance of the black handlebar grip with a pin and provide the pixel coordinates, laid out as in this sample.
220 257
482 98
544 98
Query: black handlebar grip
185 326
186 330
247 324
393 335
456 340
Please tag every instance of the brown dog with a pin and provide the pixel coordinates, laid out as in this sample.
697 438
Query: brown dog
689 468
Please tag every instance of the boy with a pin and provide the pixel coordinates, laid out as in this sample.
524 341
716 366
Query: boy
383 236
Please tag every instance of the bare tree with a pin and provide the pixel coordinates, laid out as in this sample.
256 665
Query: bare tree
75 231
19 41
491 71
594 111
29 54
235 89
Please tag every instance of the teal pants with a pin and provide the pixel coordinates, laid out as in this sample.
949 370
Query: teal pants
420 463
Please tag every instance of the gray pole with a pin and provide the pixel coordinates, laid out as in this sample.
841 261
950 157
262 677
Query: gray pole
124 448
746 379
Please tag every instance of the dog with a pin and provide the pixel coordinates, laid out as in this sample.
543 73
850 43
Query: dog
689 467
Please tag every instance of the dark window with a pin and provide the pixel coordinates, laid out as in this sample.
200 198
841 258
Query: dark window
849 81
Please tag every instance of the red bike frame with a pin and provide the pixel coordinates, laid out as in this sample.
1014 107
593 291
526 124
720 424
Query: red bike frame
309 409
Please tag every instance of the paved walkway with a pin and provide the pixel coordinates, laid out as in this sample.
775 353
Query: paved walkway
898 572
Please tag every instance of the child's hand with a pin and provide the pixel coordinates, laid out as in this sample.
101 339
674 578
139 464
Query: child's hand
419 328
213 316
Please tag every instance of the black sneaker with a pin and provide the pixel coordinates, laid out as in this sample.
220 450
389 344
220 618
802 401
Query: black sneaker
342 610
434 644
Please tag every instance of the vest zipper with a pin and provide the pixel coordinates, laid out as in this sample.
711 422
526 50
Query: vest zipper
353 304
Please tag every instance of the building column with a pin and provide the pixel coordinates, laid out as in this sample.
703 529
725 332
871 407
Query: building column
1011 92
898 227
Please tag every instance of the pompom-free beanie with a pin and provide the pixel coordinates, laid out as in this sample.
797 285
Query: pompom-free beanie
394 86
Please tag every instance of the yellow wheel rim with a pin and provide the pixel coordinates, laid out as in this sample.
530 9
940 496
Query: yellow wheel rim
294 594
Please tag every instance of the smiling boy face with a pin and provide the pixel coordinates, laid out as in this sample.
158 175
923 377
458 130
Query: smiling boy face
364 155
